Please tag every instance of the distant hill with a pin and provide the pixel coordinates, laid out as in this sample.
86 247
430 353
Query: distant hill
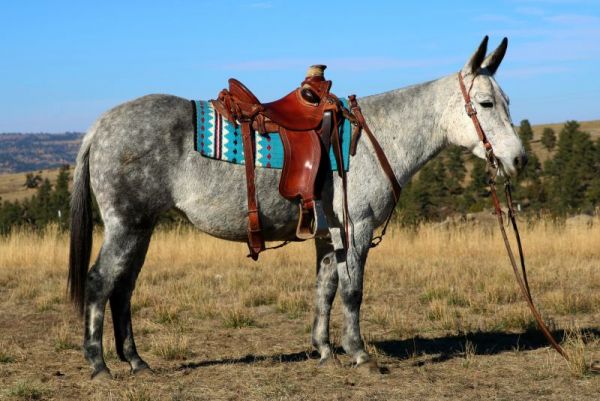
33 152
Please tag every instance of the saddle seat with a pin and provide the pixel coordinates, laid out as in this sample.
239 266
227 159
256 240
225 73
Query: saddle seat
306 120
299 110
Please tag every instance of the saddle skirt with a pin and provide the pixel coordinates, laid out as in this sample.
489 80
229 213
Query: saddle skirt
217 138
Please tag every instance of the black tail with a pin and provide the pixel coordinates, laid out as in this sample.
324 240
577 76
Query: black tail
81 230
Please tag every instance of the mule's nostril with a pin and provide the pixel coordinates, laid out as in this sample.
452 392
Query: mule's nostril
521 161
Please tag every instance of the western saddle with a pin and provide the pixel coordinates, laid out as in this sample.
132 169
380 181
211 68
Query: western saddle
308 120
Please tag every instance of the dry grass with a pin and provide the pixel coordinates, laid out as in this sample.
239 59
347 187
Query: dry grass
440 306
12 186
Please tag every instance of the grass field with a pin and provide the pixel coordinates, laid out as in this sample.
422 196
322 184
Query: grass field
441 313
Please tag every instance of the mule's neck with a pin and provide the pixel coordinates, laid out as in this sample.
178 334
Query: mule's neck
408 124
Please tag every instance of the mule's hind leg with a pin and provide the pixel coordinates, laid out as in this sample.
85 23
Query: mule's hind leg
120 305
327 282
121 248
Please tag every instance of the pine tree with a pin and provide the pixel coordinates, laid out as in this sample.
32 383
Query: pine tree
426 197
11 215
571 171
548 139
526 134
455 167
60 197
32 181
592 195
528 188
39 210
477 191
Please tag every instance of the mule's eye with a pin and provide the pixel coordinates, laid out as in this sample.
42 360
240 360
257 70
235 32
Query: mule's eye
487 104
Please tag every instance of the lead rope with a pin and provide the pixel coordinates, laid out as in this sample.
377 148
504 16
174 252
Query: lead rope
521 277
493 168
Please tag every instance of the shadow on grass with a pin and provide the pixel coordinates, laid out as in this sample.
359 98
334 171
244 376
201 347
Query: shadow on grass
440 349
250 359
485 343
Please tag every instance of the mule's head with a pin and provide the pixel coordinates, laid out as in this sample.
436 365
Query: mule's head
491 105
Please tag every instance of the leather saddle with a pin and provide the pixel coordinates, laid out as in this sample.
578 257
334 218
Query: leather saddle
307 120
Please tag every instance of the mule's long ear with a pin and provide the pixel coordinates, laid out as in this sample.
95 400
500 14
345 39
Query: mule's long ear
476 59
492 62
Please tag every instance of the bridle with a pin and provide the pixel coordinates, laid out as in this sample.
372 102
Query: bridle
493 169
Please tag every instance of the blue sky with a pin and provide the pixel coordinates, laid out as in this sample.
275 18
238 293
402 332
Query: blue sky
65 62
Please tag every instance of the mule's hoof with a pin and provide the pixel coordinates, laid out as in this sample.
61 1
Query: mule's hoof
142 370
329 361
101 375
371 367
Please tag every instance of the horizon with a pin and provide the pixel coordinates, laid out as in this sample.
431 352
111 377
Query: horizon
543 124
66 63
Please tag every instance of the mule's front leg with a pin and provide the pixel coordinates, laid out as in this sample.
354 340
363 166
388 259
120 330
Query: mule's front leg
327 282
351 291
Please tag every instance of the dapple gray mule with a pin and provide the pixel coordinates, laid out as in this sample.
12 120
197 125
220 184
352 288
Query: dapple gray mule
139 160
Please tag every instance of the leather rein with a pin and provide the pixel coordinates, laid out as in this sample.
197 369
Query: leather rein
493 168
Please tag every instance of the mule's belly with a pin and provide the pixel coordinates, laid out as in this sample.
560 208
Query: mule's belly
213 196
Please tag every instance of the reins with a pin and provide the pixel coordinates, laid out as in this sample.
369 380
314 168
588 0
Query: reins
493 167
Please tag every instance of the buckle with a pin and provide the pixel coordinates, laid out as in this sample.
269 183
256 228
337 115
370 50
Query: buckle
470 109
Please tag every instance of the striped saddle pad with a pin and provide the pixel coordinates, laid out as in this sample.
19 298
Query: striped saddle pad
217 138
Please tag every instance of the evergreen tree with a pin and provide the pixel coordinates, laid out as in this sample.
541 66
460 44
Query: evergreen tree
571 171
477 191
32 181
455 166
526 134
528 188
592 196
41 208
60 197
548 138
11 215
426 197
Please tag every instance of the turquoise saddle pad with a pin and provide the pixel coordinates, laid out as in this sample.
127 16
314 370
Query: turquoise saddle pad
217 138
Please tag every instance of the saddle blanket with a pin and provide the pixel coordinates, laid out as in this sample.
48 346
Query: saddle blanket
217 138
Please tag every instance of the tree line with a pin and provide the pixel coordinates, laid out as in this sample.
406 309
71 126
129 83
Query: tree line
567 183
453 183
51 205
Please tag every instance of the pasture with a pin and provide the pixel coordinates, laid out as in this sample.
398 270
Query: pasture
441 313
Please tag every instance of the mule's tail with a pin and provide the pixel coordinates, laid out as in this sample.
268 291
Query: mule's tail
81 226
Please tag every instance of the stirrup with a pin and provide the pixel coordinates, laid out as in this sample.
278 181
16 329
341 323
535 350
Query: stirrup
312 222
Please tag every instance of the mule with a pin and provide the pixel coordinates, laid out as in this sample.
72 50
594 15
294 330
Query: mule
139 161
